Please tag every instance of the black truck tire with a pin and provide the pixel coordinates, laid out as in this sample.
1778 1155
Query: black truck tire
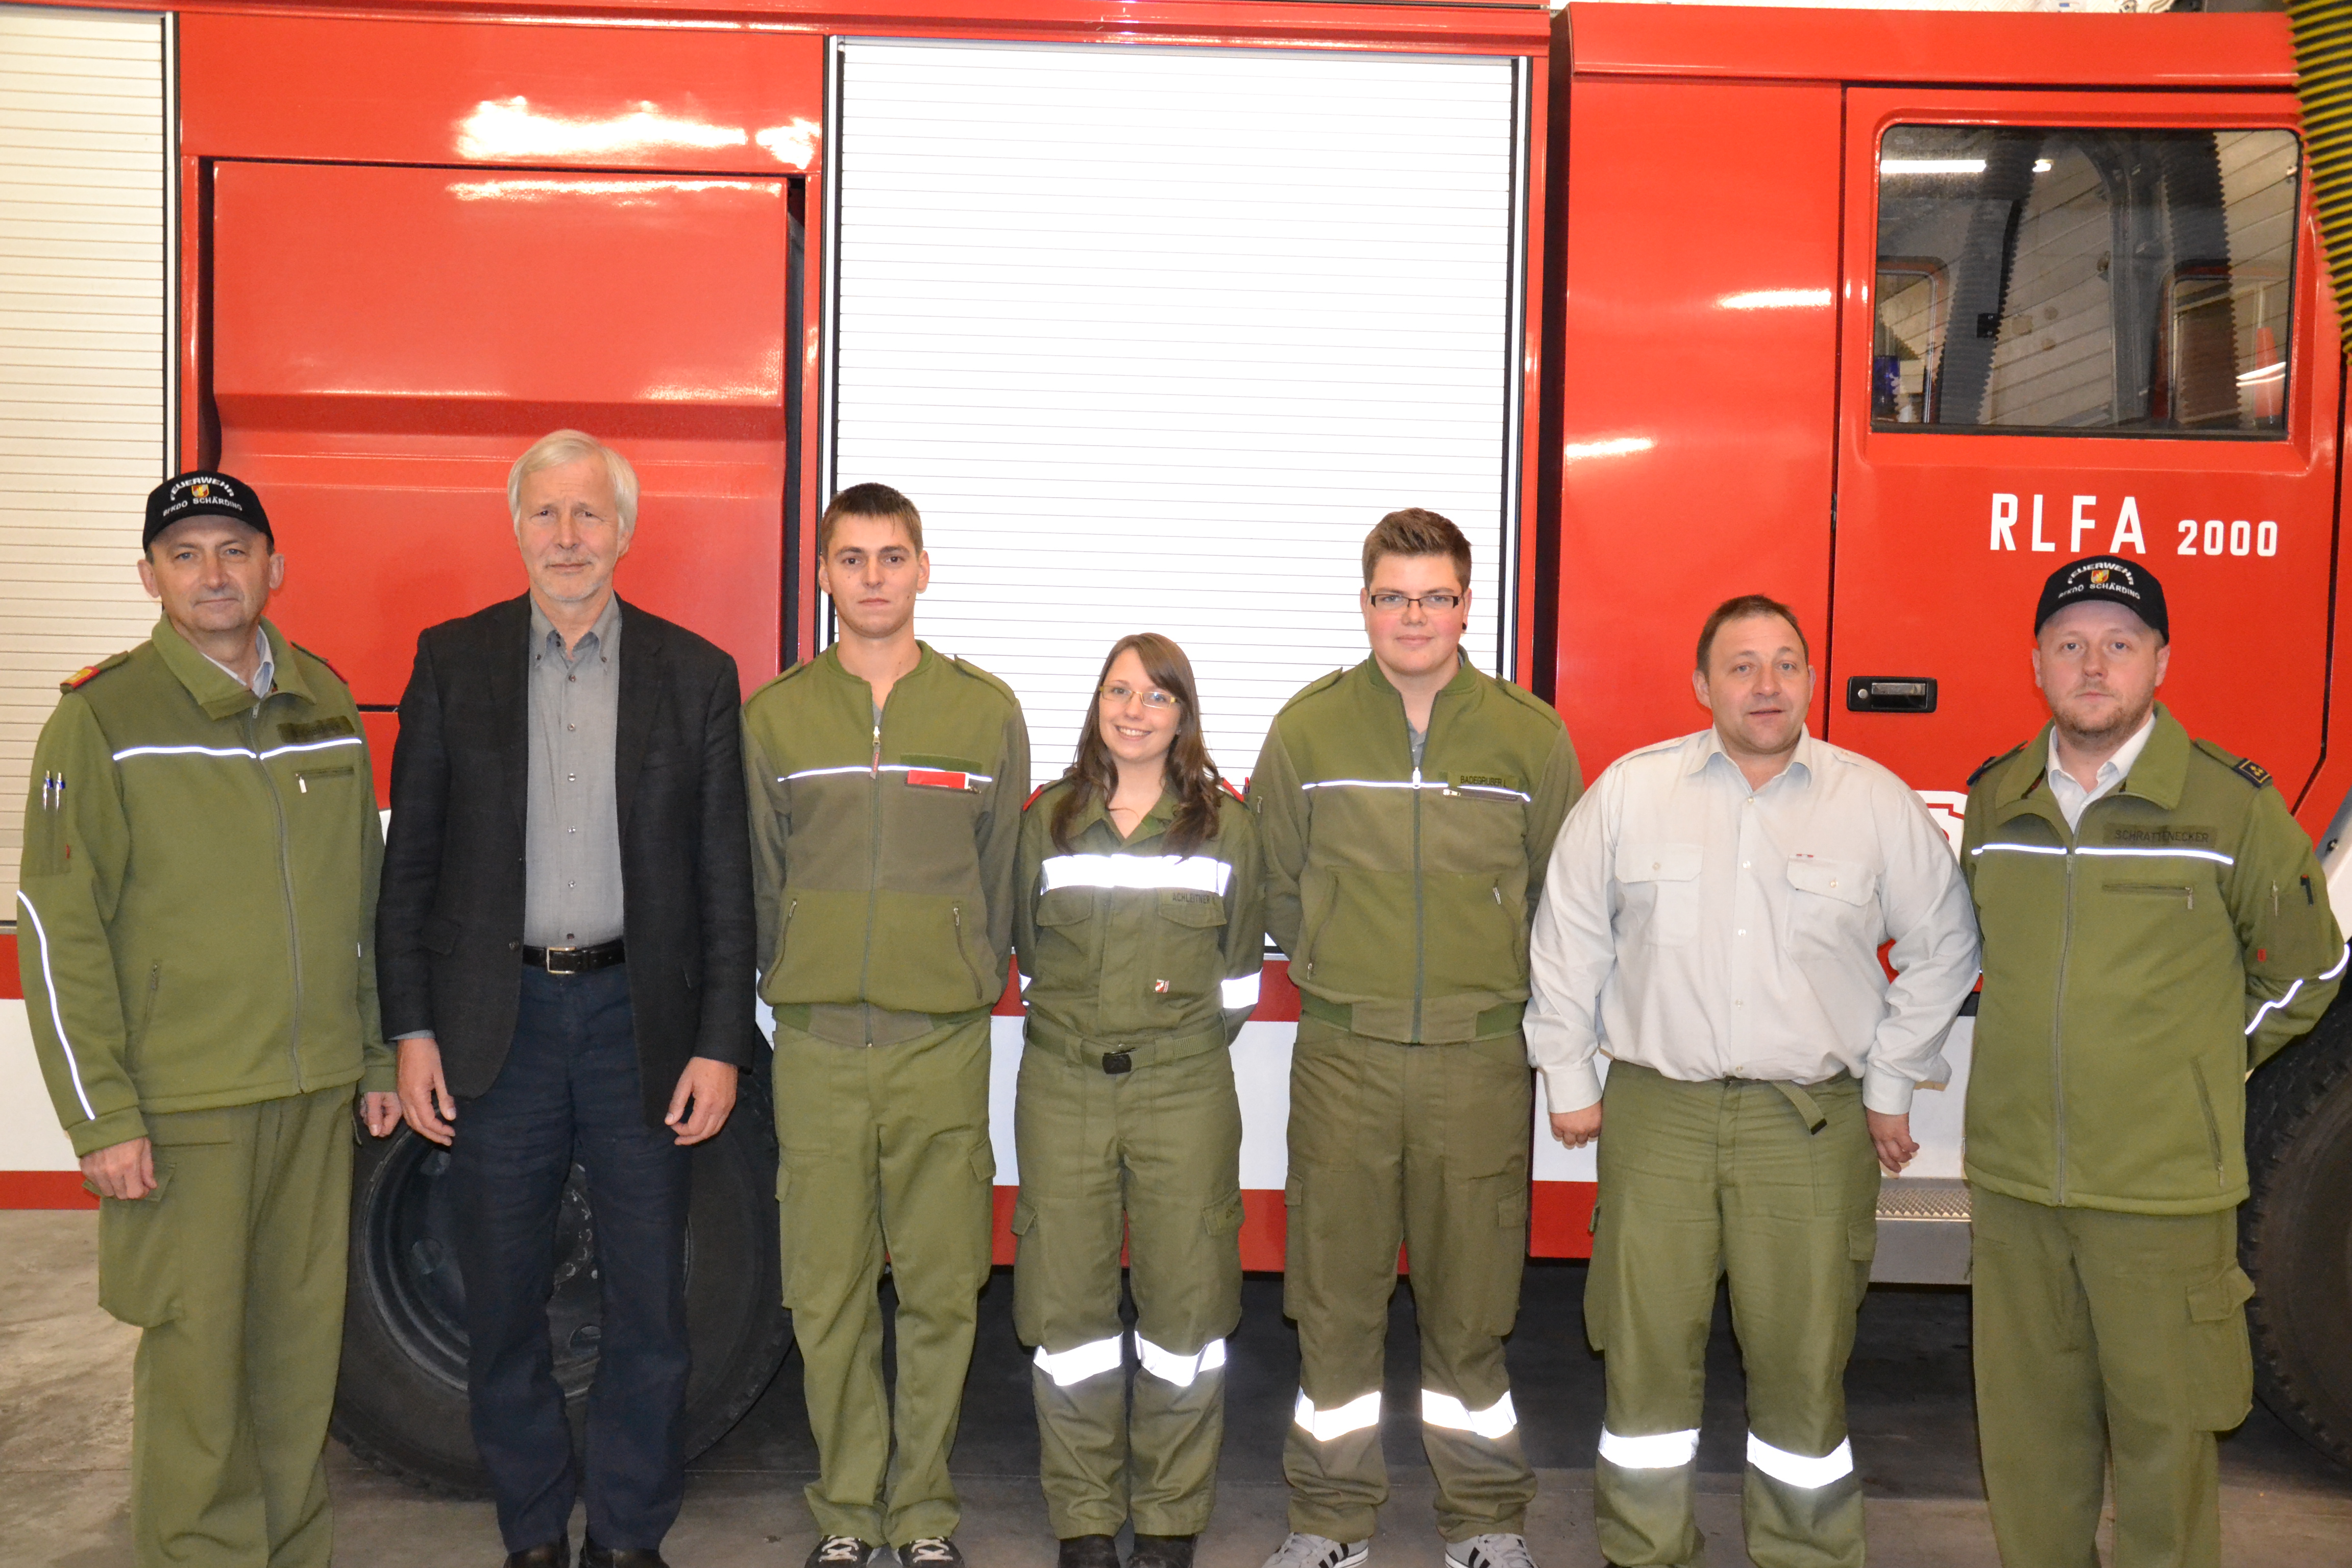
2294 1235
400 1404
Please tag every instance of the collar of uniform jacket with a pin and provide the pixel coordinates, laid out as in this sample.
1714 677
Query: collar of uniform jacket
1808 759
1155 821
217 691
1464 680
2157 776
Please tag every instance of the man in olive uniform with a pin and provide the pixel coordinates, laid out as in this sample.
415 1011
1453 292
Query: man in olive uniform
196 915
2155 924
886 784
1406 808
1714 916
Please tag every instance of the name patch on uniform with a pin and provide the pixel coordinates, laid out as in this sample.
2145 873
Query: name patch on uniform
2158 837
937 778
1488 781
1189 898
295 733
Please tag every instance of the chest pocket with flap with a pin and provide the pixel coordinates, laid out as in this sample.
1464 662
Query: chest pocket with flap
1832 901
1658 893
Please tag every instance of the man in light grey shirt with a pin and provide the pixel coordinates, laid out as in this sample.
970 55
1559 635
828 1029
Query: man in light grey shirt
571 831
1713 918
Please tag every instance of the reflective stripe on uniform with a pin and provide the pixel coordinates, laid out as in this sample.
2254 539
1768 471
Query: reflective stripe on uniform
1798 1469
884 768
57 1019
1496 1421
2265 1009
1189 873
246 752
1658 1451
2110 851
1324 1425
1239 991
1066 1367
1417 782
1180 1369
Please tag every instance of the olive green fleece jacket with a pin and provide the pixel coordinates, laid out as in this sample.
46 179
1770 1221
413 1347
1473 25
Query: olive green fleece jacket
197 904
2135 969
882 849
1403 893
1122 942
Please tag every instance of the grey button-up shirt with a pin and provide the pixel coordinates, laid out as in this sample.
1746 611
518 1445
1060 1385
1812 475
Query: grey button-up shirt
571 826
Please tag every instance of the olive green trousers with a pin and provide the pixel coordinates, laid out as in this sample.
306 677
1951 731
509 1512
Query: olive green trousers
233 1268
1425 1146
885 1157
1700 1181
2103 1335
1150 1158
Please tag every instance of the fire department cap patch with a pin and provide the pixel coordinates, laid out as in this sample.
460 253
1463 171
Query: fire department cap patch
203 493
2106 578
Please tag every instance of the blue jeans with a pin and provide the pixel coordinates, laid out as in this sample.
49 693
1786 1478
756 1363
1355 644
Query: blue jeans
570 1091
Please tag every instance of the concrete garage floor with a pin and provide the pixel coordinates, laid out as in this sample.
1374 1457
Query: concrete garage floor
65 1428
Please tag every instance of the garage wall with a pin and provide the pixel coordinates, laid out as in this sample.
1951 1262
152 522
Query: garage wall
85 319
1153 337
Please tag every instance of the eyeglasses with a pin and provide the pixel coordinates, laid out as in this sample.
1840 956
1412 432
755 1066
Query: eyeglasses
1389 603
1118 695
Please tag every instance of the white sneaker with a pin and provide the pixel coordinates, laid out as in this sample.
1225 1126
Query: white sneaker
1489 1551
1303 1550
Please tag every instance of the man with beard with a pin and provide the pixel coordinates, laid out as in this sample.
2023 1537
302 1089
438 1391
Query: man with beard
2154 925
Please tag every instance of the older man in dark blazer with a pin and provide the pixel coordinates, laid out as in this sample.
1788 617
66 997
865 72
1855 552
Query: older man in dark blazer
564 948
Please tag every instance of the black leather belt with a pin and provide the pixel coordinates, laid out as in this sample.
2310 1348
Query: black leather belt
576 960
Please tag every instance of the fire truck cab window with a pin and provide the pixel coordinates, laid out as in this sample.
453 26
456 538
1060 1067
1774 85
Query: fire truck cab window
2097 281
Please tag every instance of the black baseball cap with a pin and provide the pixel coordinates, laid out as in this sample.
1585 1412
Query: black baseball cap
2109 578
203 493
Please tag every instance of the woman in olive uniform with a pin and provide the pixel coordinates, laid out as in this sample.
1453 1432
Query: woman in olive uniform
1141 941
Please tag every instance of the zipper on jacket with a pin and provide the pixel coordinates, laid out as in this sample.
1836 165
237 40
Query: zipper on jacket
872 862
979 982
2057 1035
1420 914
286 881
2212 1125
147 1013
2188 895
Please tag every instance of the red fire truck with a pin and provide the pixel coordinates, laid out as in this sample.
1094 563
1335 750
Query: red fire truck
1154 305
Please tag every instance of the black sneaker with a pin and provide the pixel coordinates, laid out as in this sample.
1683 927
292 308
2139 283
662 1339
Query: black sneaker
1162 1552
844 1551
1088 1551
931 1551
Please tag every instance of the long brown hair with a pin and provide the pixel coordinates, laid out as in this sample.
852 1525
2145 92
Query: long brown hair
1191 777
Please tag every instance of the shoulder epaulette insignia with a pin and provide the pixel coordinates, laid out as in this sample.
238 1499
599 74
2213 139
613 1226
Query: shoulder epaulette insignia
1990 762
83 675
1033 793
2246 768
1320 683
1227 785
338 674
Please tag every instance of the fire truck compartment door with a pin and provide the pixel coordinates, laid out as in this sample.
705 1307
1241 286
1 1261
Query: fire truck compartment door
386 342
2075 324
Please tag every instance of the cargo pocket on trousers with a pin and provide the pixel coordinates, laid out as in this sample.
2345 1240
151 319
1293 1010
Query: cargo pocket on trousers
2217 1379
1490 1296
1294 1220
1862 1250
1598 1272
138 1258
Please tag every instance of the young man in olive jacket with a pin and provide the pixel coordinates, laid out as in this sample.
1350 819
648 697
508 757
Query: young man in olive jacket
195 923
2154 925
885 783
1407 807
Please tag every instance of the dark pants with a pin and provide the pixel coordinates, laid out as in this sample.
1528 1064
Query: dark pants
569 1090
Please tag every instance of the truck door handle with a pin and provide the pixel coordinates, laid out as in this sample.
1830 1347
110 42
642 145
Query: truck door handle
1890 694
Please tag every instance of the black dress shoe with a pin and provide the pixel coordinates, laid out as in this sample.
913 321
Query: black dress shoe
556 1553
1088 1551
594 1556
1162 1552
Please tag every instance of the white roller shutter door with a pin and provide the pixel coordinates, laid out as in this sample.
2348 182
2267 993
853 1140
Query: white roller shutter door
1153 336
85 356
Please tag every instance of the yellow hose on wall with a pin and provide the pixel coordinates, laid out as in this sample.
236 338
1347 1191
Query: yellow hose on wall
2323 54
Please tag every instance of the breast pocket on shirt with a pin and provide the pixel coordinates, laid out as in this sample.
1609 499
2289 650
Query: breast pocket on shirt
1832 904
1658 884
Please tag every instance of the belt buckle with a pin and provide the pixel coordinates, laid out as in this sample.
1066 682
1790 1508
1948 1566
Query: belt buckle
564 968
1117 1062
